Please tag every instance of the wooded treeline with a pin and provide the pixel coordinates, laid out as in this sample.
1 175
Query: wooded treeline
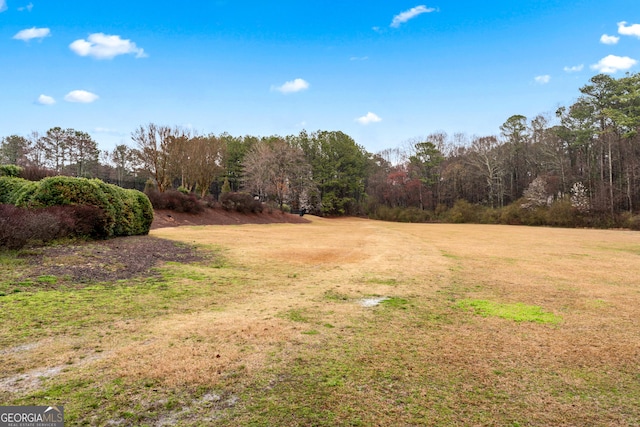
582 161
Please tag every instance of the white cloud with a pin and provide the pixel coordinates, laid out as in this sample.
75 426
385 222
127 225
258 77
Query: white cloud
543 80
292 86
3 5
631 30
32 33
574 69
403 17
81 96
358 58
46 100
607 39
368 118
612 64
28 8
104 46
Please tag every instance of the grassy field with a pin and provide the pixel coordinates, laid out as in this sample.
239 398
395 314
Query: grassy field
474 325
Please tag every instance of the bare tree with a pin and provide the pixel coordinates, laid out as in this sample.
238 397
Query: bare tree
488 159
276 170
36 150
153 143
180 152
205 163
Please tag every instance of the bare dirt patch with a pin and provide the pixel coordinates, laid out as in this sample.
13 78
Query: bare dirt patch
127 257
106 260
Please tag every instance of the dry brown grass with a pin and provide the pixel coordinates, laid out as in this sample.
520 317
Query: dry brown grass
588 277
282 319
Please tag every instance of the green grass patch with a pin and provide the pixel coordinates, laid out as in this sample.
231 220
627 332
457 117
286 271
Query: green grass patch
395 302
52 280
297 316
28 314
11 269
518 312
332 295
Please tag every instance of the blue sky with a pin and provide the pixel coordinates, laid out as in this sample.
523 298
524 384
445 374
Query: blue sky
384 72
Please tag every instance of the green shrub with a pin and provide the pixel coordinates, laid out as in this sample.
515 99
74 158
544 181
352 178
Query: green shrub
414 214
385 213
226 187
10 170
133 210
490 216
512 214
124 212
143 212
528 214
13 190
563 214
23 193
64 190
464 212
441 211
8 186
629 220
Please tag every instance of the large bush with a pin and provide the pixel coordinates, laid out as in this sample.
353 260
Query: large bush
464 212
563 214
21 226
12 188
175 201
122 212
143 211
399 214
631 221
240 202
10 170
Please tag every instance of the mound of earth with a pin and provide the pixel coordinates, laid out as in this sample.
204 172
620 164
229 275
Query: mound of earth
167 218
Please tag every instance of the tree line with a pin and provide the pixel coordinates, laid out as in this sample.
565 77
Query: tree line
585 157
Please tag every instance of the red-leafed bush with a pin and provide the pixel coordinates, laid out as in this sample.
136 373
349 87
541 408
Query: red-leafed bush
240 202
22 226
175 201
34 173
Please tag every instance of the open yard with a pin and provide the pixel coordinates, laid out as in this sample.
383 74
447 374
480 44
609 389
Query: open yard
338 322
